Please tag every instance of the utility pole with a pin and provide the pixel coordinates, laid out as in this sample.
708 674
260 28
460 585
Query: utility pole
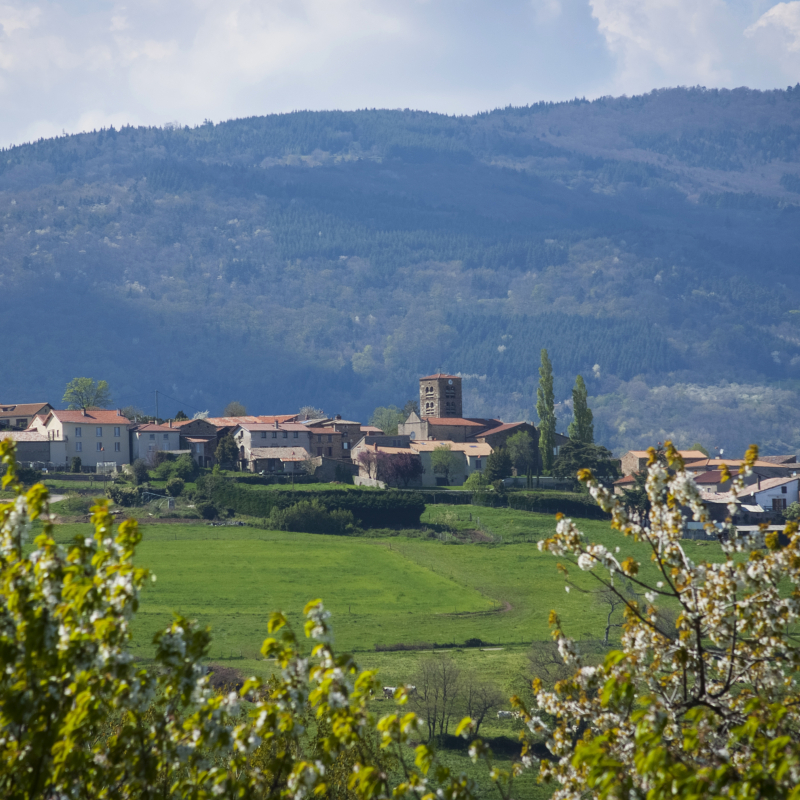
156 406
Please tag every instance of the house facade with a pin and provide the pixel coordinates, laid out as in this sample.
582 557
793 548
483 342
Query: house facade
96 436
199 437
251 436
36 447
19 416
148 439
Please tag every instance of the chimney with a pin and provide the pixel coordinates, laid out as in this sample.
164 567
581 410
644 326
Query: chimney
170 423
119 412
83 411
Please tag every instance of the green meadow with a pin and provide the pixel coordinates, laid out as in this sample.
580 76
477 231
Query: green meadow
381 591
444 584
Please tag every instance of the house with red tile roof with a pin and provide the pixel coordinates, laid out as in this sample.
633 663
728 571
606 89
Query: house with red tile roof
95 435
21 415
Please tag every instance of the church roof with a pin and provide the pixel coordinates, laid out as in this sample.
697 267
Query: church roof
437 376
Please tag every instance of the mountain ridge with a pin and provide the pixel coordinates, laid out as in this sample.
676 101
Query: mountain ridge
245 260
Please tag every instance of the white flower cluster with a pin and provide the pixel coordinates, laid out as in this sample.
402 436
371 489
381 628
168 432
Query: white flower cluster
729 655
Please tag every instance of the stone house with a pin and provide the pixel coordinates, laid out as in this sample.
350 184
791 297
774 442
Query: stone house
250 436
199 437
36 447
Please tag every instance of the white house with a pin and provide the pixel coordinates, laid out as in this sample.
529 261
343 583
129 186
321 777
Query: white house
147 439
95 435
468 457
773 494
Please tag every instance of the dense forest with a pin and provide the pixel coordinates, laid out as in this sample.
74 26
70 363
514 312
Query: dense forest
650 243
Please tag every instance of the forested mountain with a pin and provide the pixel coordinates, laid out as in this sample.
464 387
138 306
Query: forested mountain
650 243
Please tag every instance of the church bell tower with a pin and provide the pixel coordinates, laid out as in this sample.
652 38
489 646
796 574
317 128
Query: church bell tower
440 396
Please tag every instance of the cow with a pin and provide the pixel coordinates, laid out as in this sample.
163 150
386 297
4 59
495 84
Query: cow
388 692
505 715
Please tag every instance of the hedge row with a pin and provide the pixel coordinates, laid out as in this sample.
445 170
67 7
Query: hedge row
371 509
571 505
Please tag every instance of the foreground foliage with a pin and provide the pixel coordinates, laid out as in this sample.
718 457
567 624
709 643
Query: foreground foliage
702 698
80 719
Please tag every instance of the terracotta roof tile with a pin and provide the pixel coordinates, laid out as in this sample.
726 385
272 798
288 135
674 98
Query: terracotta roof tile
92 416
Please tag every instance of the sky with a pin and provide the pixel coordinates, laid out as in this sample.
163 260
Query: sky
77 65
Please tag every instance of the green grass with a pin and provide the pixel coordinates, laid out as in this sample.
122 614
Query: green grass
381 591
398 589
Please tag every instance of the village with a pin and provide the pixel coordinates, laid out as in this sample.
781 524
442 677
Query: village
435 447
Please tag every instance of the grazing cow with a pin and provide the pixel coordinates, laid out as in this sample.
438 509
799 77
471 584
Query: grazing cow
388 691
505 715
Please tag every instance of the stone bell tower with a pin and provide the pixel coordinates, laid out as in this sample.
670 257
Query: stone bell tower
440 396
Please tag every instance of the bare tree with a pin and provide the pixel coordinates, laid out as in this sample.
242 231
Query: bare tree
480 698
436 699
310 412
368 459
609 603
546 663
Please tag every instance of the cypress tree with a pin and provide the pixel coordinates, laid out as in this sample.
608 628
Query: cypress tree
581 429
545 408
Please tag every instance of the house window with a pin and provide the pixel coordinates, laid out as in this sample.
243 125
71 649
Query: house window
78 446
296 434
99 446
151 448
783 490
345 445
274 434
285 435
77 432
319 451
152 436
330 437
98 431
778 503
22 423
116 431
263 434
477 463
166 436
319 437
330 451
117 447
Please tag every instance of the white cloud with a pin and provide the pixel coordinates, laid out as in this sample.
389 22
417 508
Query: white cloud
66 65
667 42
783 18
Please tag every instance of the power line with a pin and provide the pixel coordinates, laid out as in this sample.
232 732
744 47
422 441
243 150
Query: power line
179 402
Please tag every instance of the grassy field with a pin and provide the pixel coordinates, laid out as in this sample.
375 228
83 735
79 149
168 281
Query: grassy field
381 591
432 587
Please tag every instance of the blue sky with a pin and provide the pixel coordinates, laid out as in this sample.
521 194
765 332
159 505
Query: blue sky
80 64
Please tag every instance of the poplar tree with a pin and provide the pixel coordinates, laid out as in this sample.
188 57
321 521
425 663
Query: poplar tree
545 408
581 429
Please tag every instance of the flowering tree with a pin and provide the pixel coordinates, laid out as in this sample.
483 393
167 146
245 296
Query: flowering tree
704 703
78 717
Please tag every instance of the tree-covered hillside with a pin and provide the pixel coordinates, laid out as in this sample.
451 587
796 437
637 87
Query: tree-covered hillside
650 243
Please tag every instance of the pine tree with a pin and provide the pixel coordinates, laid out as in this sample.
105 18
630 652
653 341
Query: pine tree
545 408
581 429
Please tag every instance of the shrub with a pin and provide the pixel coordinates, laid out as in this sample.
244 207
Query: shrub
140 471
185 468
372 509
124 495
310 516
476 482
572 505
75 464
28 476
207 510
175 486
